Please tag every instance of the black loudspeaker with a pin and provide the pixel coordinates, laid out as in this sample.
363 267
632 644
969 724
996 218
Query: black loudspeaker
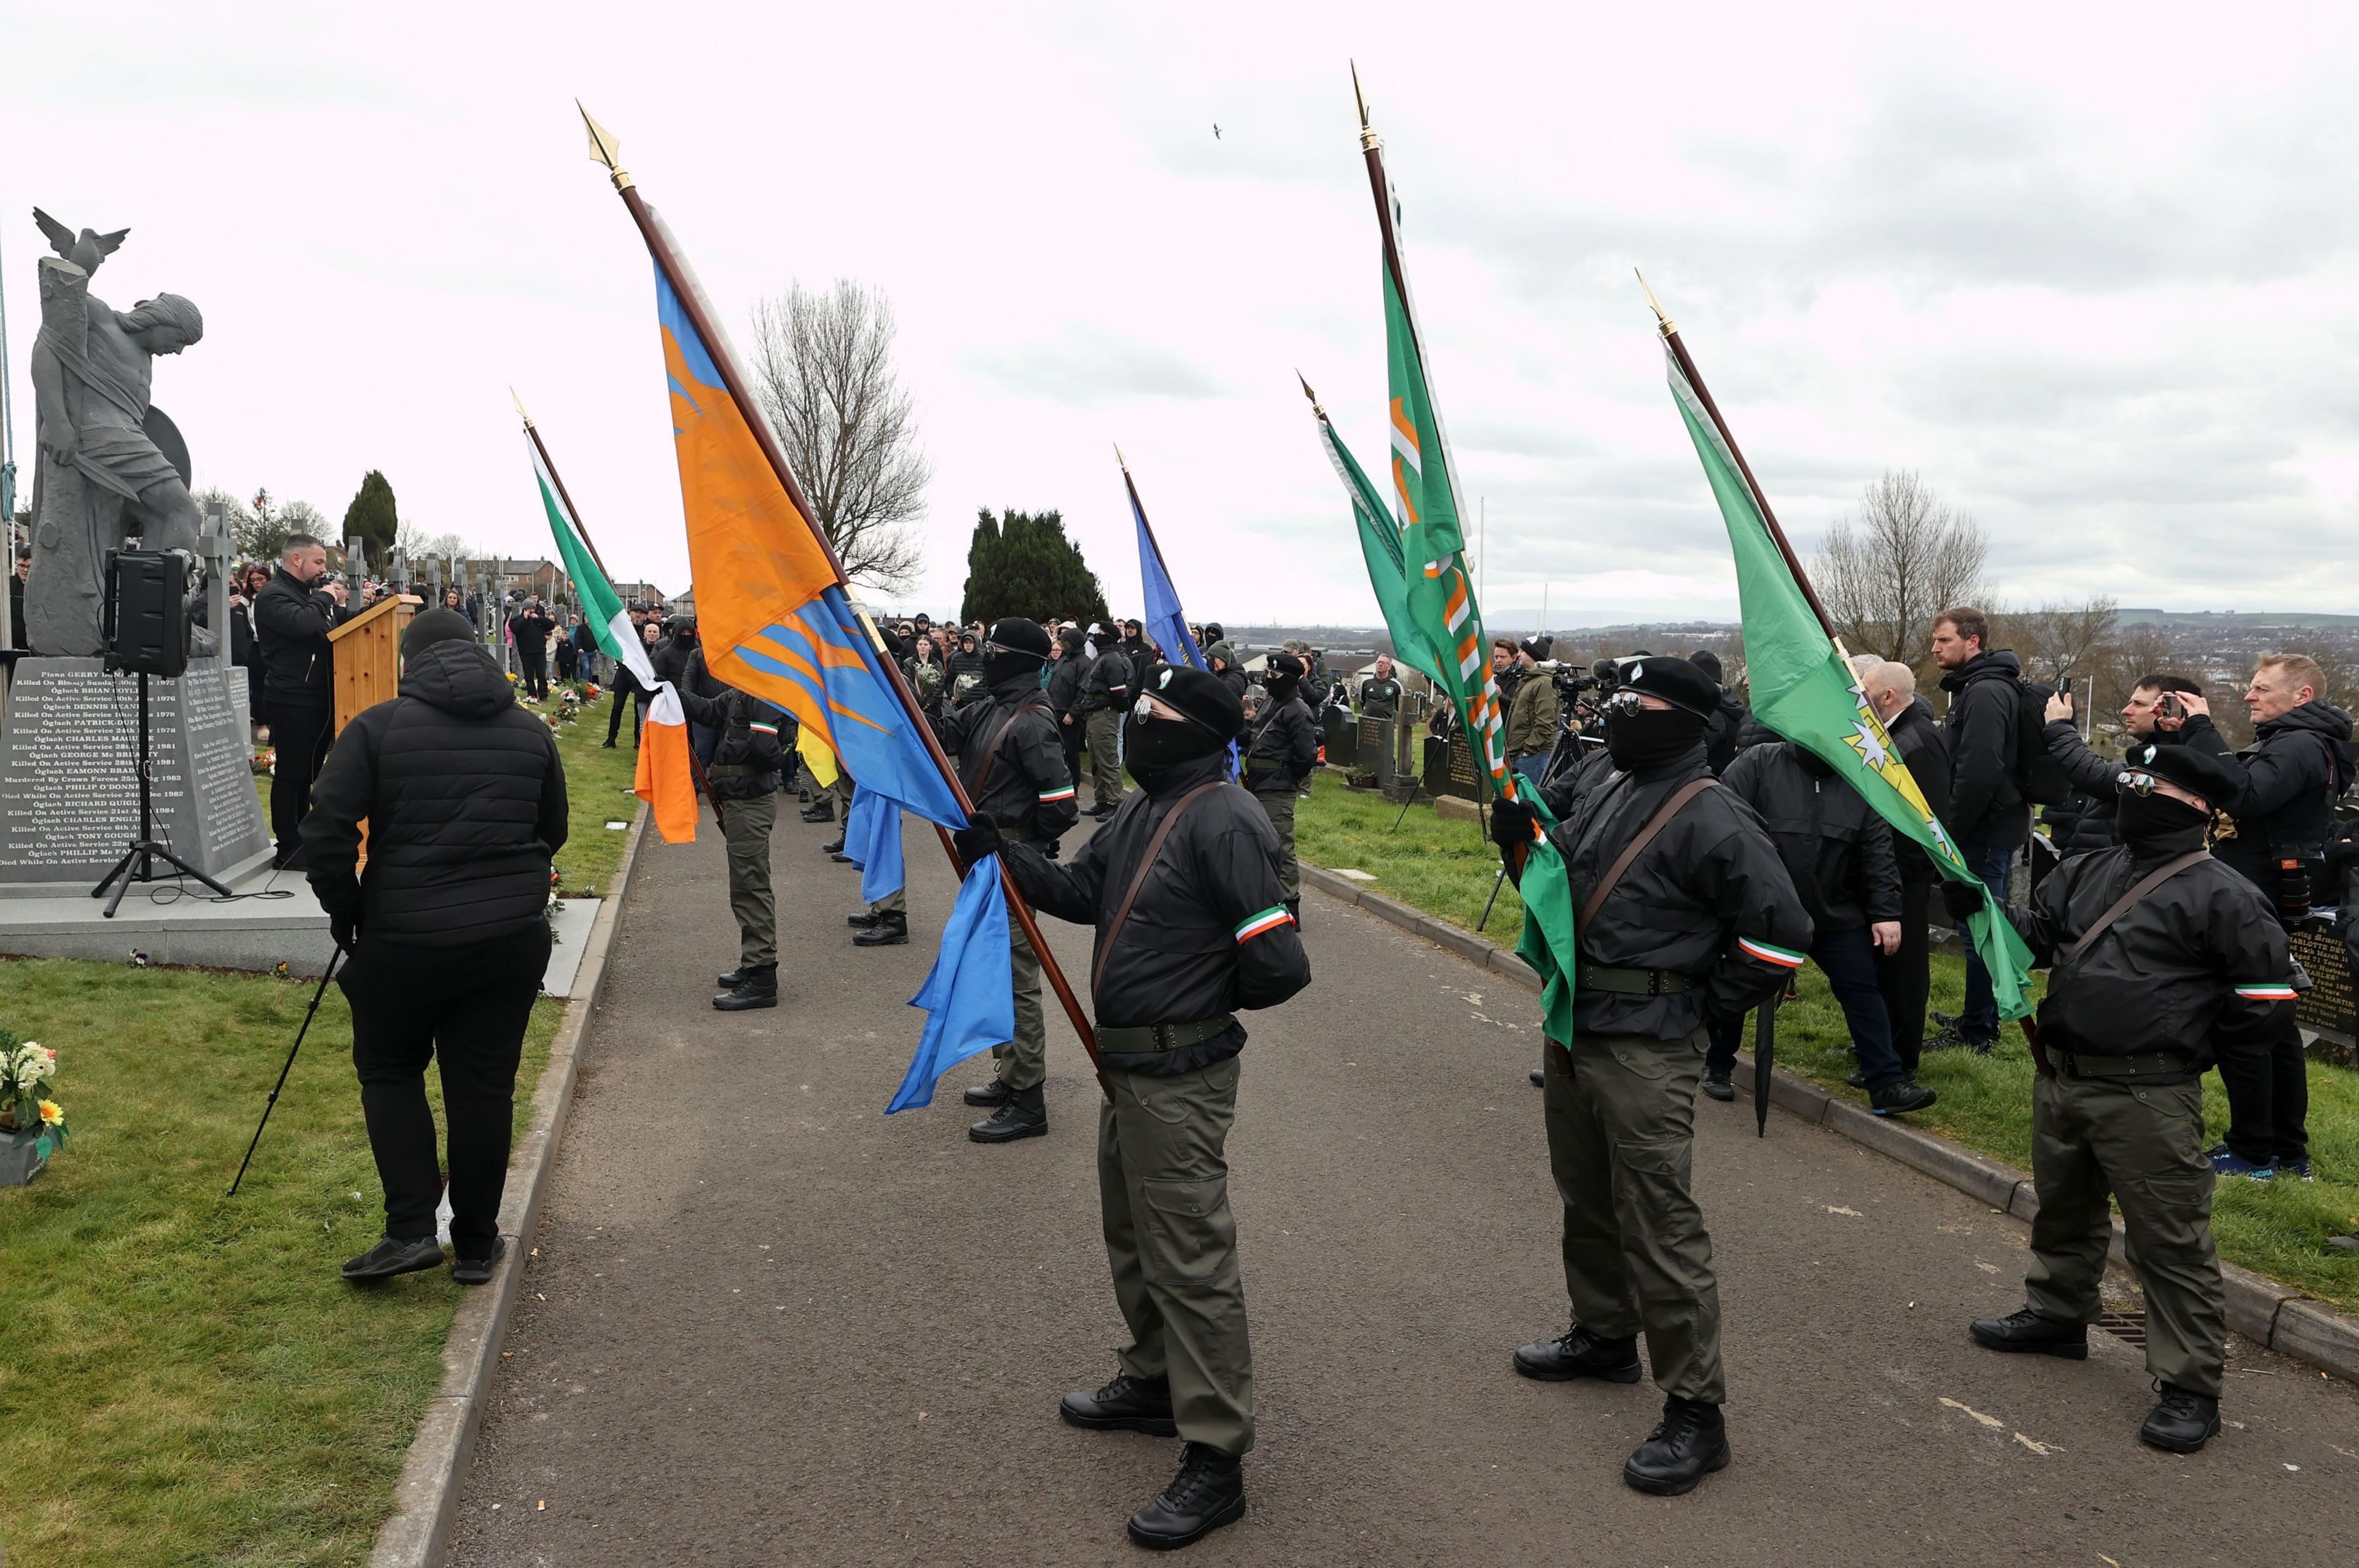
146 612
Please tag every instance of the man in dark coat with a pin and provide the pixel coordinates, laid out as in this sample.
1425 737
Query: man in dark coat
1064 691
1905 975
530 627
1988 819
292 617
1281 749
1011 761
1105 697
1205 937
755 739
2089 822
447 930
2280 814
1702 924
2197 968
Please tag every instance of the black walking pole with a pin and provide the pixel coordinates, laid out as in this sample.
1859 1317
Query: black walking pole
1497 883
290 1067
1765 1059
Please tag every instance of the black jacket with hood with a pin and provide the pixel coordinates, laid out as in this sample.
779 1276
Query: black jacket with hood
1029 790
2298 766
1281 747
1209 933
1984 726
1835 847
464 797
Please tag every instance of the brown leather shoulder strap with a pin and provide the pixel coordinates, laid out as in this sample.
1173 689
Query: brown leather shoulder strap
991 752
1139 880
1630 851
2145 885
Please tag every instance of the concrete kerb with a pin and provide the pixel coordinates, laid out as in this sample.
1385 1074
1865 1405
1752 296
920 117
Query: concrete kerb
427 1488
2261 1309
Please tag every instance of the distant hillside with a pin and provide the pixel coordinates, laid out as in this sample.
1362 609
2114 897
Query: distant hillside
2228 620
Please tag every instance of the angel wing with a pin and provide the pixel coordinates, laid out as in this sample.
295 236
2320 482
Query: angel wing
61 239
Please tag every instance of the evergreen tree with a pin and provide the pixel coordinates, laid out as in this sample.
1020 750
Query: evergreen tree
983 573
1023 565
372 517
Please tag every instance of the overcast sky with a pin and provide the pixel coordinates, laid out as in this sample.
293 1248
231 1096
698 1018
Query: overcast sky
2094 271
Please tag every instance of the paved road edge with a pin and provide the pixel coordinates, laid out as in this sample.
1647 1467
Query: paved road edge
2264 1311
428 1491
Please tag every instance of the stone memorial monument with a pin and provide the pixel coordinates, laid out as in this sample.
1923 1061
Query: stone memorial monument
112 468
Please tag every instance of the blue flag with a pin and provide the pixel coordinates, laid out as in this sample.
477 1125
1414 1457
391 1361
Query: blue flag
1165 623
872 840
969 996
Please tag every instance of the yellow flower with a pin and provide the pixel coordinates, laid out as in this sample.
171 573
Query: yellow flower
52 1114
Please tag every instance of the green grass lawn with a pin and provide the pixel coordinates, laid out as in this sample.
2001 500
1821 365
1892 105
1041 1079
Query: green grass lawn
1446 868
186 1374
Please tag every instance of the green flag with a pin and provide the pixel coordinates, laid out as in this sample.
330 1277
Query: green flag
1441 612
1803 689
601 607
1380 548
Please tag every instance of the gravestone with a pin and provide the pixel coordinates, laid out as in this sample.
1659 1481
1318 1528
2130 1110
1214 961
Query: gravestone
1450 769
68 761
1342 738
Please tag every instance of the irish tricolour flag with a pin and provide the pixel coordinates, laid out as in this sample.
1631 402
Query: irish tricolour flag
664 781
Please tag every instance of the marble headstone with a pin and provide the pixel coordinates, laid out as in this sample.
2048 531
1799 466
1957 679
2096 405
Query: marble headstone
68 780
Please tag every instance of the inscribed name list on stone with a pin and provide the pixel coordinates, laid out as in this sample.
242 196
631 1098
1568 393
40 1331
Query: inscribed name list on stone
68 771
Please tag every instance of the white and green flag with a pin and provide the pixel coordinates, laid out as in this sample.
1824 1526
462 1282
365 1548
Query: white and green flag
610 622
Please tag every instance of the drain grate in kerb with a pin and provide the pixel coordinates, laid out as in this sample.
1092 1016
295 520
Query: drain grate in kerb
2129 1327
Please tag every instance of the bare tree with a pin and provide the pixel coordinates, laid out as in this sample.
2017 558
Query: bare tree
418 545
2057 640
1906 556
824 369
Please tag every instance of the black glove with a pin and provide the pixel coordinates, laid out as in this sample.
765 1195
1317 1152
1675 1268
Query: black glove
974 842
346 929
1512 824
1963 899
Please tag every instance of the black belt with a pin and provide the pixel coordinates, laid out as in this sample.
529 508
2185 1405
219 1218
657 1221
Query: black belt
1137 1040
2148 1065
1630 982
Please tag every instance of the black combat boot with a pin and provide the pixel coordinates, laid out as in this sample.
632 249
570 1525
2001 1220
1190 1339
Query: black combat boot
835 849
1207 1492
2028 1331
988 1095
819 811
1577 1353
757 986
1539 1077
2180 1421
1718 1085
1126 1404
1691 1442
732 980
864 921
1025 1115
891 930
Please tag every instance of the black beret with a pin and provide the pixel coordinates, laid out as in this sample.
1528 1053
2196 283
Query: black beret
1201 696
2198 773
1020 636
1285 664
1676 681
435 626
1707 661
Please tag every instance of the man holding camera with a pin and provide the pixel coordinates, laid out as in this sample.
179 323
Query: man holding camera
2280 812
2160 957
1533 712
292 616
2154 697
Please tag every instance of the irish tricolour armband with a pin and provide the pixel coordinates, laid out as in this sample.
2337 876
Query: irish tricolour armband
1269 919
1783 957
1052 796
2266 990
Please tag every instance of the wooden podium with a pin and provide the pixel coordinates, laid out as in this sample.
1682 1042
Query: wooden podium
368 656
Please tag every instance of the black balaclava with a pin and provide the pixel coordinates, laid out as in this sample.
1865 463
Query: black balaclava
1284 677
2150 821
1159 750
2156 823
1012 660
1646 738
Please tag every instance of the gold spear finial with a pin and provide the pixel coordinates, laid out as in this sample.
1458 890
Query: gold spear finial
1310 395
519 406
1663 321
1118 457
606 149
1368 139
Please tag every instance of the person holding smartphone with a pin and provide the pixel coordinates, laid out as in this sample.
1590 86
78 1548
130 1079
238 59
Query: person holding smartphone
2093 821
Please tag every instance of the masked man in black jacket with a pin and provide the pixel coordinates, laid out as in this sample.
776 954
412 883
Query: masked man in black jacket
2197 966
1183 889
292 616
1838 852
1012 761
447 930
1703 923
2281 816
754 738
1281 752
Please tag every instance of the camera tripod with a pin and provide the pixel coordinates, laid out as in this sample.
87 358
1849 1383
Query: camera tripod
138 862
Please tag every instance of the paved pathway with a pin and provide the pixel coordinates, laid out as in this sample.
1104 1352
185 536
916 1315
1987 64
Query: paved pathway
767 1324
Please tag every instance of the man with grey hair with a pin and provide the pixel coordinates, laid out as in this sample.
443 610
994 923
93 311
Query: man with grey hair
1905 975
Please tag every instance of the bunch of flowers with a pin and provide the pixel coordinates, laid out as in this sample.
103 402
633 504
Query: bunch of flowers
569 704
29 1073
590 692
266 760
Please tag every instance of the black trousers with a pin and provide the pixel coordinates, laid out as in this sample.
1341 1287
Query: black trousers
567 659
1906 976
2268 1096
299 735
615 706
467 1006
532 669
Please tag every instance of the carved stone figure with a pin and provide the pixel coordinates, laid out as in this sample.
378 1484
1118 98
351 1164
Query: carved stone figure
110 464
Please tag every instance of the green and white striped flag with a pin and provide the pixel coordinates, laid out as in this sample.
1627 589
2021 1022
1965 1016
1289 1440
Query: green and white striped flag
610 622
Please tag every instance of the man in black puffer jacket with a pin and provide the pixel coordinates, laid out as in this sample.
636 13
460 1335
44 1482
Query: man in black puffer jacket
1989 818
447 930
